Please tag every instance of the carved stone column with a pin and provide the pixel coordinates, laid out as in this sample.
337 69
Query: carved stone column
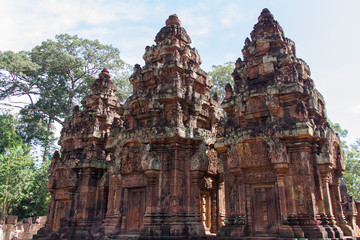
151 218
325 170
325 175
197 177
152 196
346 227
281 172
214 212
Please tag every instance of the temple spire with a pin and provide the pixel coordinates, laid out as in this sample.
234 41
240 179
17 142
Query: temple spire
265 14
267 27
173 20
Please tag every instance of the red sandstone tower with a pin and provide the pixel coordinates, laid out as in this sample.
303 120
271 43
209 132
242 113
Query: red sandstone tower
78 177
165 164
282 161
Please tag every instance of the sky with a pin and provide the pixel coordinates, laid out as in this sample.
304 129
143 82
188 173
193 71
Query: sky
326 34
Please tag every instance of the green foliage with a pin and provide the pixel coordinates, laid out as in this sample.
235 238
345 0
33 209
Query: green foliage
56 75
47 82
121 80
36 203
17 169
351 176
221 75
8 134
34 130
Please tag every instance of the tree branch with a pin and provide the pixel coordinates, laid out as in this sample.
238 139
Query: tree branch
52 116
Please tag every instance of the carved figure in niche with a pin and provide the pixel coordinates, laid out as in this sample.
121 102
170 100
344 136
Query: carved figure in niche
301 111
233 157
199 159
97 231
131 122
116 127
186 55
170 114
149 159
177 79
279 76
99 105
208 182
63 232
299 193
96 125
213 162
92 151
233 197
130 160
180 115
228 91
325 153
293 74
176 56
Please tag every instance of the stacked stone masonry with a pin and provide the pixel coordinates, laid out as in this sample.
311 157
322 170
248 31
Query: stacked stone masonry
174 163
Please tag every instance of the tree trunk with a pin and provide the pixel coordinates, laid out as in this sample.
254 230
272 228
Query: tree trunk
47 140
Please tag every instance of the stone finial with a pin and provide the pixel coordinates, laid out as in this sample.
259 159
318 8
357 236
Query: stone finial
215 97
105 70
238 63
173 20
104 74
55 157
267 27
265 14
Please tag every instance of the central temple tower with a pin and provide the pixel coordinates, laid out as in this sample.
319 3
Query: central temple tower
165 162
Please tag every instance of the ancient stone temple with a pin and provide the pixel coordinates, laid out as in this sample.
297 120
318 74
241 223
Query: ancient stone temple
163 160
282 161
174 163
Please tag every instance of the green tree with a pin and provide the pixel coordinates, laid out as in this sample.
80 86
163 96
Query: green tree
351 175
16 166
52 78
37 200
221 75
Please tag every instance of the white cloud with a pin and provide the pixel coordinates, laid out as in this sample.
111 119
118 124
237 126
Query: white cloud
231 14
27 23
196 25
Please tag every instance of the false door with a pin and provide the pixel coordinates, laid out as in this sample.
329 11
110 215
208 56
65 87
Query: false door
264 209
136 209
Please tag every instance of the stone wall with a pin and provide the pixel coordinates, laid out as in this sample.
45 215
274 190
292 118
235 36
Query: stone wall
30 225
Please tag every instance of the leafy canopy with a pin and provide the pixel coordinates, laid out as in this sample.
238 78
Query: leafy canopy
221 75
351 175
56 75
17 168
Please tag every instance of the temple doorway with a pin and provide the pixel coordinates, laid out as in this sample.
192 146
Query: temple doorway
205 210
136 209
208 210
264 210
